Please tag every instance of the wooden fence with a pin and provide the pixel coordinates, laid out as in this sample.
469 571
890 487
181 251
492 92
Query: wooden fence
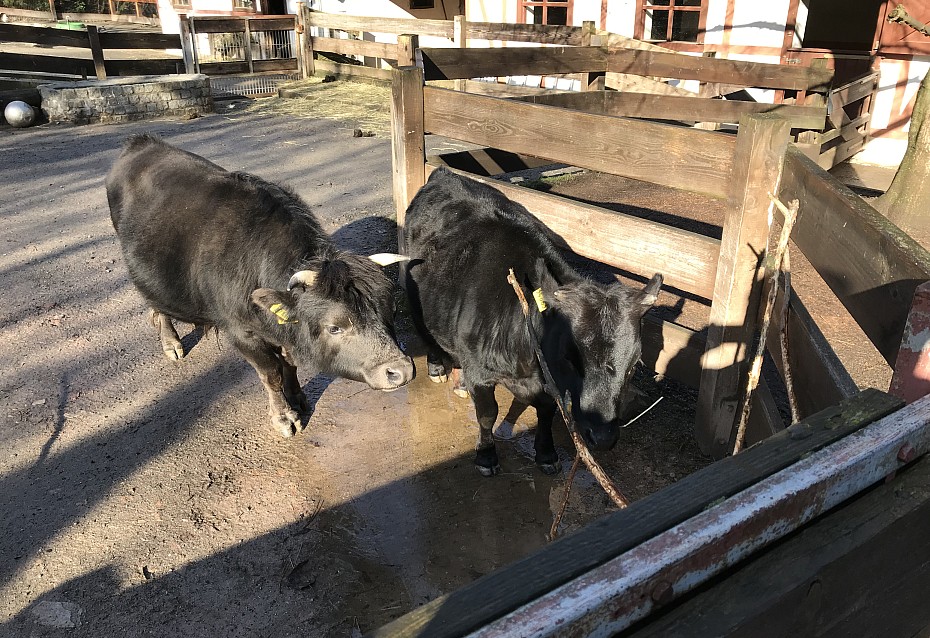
98 42
257 44
872 267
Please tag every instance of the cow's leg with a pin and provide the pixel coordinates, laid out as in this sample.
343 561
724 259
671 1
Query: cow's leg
268 364
546 457
170 342
292 391
486 411
458 383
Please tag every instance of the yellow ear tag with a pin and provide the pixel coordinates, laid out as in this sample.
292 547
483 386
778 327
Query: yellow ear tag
540 302
281 313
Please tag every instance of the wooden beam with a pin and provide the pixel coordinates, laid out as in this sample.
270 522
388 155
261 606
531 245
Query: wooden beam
502 591
691 109
760 150
137 40
863 569
670 155
686 260
538 33
494 89
351 71
305 42
209 24
96 52
635 84
871 265
43 36
355 47
408 154
450 64
372 24
737 72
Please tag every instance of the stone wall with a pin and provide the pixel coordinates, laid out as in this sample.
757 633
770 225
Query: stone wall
127 98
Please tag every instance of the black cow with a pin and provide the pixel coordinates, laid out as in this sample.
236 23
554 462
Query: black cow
230 250
462 237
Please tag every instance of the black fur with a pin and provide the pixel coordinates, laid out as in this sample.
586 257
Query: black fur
208 246
463 236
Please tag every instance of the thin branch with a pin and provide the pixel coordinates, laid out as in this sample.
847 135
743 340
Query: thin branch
899 14
563 405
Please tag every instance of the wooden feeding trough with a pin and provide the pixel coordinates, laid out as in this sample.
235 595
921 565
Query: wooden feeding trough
627 566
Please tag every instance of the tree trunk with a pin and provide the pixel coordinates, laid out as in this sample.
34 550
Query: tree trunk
907 201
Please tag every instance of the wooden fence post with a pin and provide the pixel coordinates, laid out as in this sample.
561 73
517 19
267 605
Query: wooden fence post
407 50
591 81
911 378
408 153
758 158
306 41
460 38
247 36
96 52
187 48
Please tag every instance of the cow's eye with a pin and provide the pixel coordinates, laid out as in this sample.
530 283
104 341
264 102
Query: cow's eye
334 330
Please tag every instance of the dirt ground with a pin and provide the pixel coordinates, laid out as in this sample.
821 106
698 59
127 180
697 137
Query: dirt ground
145 497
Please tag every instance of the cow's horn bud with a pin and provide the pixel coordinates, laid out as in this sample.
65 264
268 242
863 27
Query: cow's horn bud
386 259
304 278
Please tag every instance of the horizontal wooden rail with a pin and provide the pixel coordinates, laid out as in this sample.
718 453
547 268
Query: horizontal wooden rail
451 64
242 67
355 47
855 90
132 40
870 264
538 33
502 591
44 36
673 156
687 261
352 71
734 72
53 64
224 24
671 107
371 24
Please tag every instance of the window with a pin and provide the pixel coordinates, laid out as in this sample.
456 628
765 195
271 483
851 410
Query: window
422 4
544 12
671 20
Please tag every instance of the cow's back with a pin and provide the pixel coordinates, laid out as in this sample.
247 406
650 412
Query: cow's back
198 239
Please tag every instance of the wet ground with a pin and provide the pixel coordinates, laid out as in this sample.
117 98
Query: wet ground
145 497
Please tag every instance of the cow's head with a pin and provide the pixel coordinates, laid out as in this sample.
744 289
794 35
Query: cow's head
337 316
594 347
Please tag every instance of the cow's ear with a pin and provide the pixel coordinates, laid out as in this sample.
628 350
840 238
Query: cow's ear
650 292
280 303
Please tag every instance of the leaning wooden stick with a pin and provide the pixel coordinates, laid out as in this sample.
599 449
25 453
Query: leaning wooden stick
790 213
616 496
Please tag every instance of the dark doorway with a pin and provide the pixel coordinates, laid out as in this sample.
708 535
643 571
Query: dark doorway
841 25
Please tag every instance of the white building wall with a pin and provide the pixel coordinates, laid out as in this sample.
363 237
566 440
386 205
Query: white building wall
621 17
760 24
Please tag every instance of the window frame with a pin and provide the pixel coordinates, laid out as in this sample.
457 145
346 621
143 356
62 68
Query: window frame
642 6
523 5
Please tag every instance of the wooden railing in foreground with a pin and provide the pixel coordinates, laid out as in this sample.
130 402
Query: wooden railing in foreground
98 42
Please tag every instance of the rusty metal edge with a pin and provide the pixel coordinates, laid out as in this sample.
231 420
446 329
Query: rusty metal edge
612 597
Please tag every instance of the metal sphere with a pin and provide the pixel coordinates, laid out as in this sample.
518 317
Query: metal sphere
19 114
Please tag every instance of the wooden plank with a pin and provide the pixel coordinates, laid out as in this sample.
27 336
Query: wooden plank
450 64
43 36
224 68
636 84
305 40
47 63
371 24
736 72
158 66
670 155
355 47
278 64
206 24
848 132
495 89
692 109
820 379
855 90
871 265
96 52
760 150
500 592
538 33
272 23
863 569
187 47
351 71
408 153
138 40
686 260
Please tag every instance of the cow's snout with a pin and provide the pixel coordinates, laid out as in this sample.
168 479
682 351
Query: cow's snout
393 375
600 437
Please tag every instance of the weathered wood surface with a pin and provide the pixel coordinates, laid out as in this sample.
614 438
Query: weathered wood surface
629 83
669 107
500 592
352 71
372 24
871 265
669 155
539 33
85 67
408 154
861 570
242 66
494 89
736 72
686 260
347 46
450 64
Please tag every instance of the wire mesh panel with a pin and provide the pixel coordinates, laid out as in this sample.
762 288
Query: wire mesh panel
232 86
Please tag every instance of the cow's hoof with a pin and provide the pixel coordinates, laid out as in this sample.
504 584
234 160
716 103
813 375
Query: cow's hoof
286 424
442 378
460 392
550 468
173 351
488 471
